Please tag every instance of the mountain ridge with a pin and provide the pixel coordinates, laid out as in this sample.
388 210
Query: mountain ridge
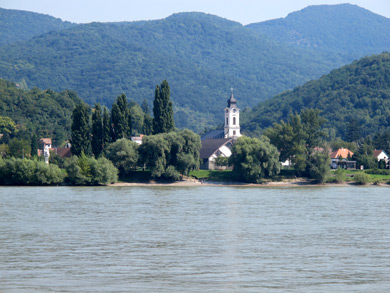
201 55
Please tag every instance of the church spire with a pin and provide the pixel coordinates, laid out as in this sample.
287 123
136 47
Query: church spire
232 100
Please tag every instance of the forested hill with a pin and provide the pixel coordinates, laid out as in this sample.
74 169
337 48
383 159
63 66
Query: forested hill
202 57
347 31
45 113
18 25
355 95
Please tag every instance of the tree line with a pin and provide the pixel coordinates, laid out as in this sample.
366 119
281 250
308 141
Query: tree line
102 148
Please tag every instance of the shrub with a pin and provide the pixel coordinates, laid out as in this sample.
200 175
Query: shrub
171 174
28 172
339 175
361 178
103 171
378 172
85 170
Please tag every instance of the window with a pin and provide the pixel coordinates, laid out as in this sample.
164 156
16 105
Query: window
234 132
234 120
227 121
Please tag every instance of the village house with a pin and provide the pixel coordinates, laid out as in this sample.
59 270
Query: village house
341 158
381 155
46 143
217 143
137 139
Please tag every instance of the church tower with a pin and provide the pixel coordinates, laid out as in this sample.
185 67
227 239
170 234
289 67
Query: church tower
232 118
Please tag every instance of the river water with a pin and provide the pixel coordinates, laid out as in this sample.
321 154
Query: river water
190 239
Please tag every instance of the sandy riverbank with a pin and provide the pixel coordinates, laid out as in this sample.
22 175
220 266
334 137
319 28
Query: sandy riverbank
194 182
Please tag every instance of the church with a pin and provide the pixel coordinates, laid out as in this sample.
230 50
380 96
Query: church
217 143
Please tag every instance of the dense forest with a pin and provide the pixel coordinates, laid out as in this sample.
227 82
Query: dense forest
44 113
346 32
202 56
17 25
353 99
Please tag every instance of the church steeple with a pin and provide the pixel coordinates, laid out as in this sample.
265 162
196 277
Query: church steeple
232 118
231 100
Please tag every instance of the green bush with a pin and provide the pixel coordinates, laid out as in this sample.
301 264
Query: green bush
28 172
361 178
339 175
378 172
85 170
171 174
103 171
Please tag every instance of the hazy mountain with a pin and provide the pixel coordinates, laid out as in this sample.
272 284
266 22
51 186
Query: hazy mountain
347 31
358 93
18 25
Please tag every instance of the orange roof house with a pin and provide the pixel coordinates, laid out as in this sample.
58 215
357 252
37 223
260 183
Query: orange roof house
343 153
46 141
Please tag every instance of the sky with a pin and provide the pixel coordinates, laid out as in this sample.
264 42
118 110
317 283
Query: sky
243 11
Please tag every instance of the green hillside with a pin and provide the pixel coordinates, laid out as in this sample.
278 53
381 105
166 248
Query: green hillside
17 25
345 31
45 113
202 57
357 94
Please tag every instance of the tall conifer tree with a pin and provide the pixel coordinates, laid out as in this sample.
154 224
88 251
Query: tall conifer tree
97 131
120 119
80 130
163 109
106 128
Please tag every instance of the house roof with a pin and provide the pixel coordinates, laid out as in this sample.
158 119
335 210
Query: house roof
45 140
378 152
64 152
344 153
209 146
213 134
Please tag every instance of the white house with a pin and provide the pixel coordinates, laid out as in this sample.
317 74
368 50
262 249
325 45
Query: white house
381 155
214 148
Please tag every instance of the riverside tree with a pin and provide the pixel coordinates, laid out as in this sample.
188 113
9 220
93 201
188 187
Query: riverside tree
167 154
298 140
120 119
254 159
123 154
106 128
163 109
97 131
80 141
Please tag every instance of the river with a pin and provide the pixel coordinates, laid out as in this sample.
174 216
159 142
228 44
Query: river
191 239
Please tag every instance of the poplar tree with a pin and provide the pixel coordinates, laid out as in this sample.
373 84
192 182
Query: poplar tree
163 109
34 145
80 141
106 128
145 106
120 117
97 131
